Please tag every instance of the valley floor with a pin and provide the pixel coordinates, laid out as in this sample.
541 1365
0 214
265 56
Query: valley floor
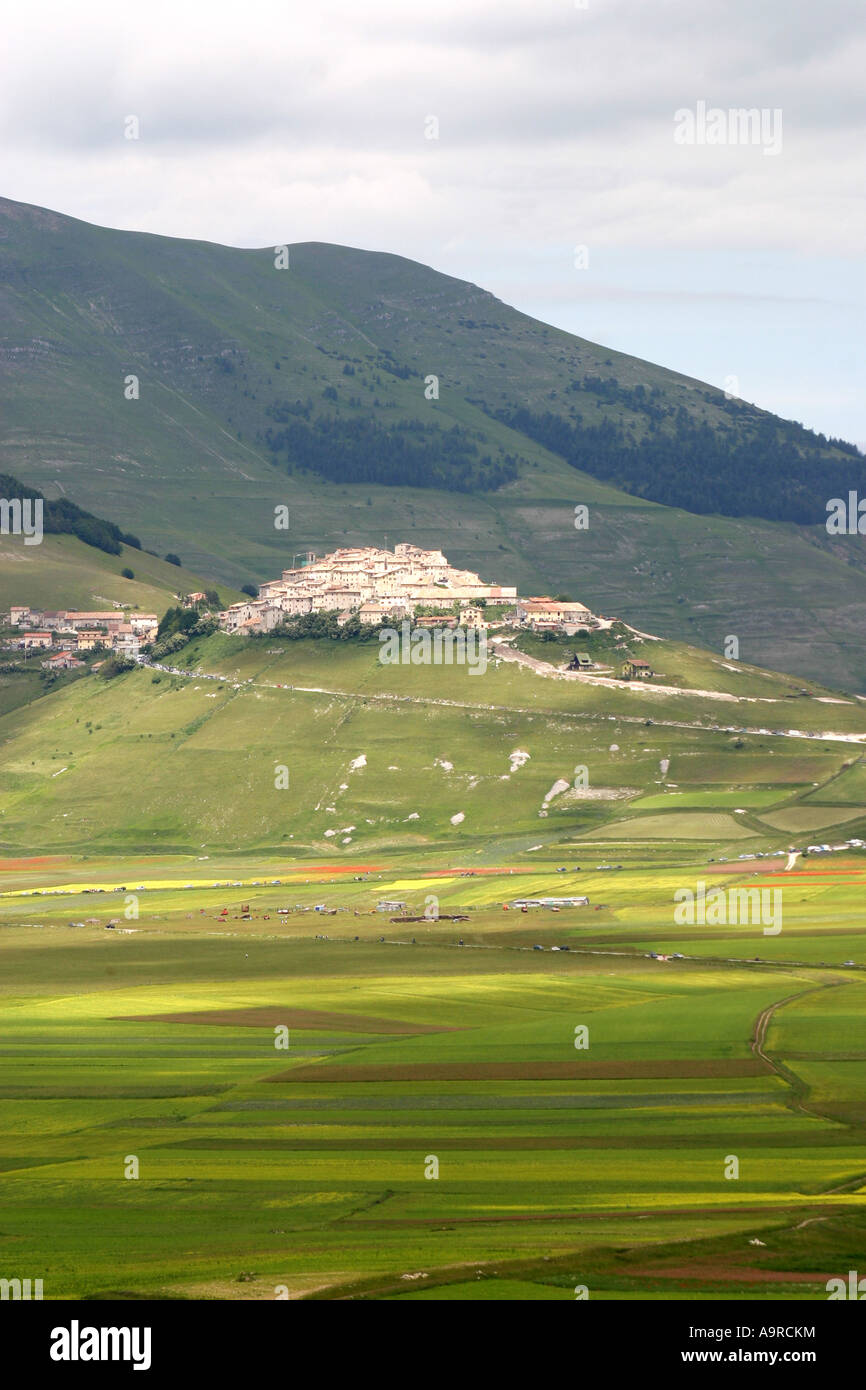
233 1095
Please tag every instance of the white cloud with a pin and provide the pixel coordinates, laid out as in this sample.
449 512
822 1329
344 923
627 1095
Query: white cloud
291 122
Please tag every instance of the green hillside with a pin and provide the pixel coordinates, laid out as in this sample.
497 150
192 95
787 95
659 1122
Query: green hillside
305 387
63 572
375 756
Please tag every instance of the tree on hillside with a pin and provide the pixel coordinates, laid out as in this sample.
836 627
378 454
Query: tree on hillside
115 666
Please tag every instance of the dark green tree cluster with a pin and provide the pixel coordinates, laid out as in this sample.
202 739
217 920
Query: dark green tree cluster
409 453
178 637
609 390
324 625
388 363
176 620
115 666
62 517
758 466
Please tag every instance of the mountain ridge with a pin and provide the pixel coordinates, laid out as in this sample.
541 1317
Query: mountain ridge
222 343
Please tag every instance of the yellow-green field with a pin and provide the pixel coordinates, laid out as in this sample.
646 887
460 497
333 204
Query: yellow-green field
264 1169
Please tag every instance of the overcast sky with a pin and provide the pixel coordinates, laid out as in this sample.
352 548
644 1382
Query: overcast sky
266 122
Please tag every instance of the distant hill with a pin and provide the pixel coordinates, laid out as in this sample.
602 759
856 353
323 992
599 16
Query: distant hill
312 387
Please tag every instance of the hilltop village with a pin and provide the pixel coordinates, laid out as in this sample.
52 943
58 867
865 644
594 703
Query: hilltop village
376 587
380 586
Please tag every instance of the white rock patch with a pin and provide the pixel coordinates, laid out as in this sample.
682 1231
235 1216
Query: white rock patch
518 758
455 820
598 794
559 786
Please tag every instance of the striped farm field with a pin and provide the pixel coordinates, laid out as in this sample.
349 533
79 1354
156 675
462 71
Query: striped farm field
812 817
325 1110
678 825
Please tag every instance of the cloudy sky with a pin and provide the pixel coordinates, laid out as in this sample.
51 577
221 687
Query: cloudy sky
271 121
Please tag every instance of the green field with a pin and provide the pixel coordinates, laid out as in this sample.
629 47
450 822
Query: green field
263 1169
707 1138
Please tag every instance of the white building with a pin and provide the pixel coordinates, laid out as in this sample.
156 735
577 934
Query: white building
125 641
145 624
362 579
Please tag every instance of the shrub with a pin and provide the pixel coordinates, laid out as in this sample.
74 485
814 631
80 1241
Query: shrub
115 666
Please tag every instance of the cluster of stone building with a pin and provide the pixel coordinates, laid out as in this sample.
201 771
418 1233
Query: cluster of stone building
382 586
379 586
64 636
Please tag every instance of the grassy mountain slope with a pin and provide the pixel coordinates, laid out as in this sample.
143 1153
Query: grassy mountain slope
63 572
379 756
233 356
